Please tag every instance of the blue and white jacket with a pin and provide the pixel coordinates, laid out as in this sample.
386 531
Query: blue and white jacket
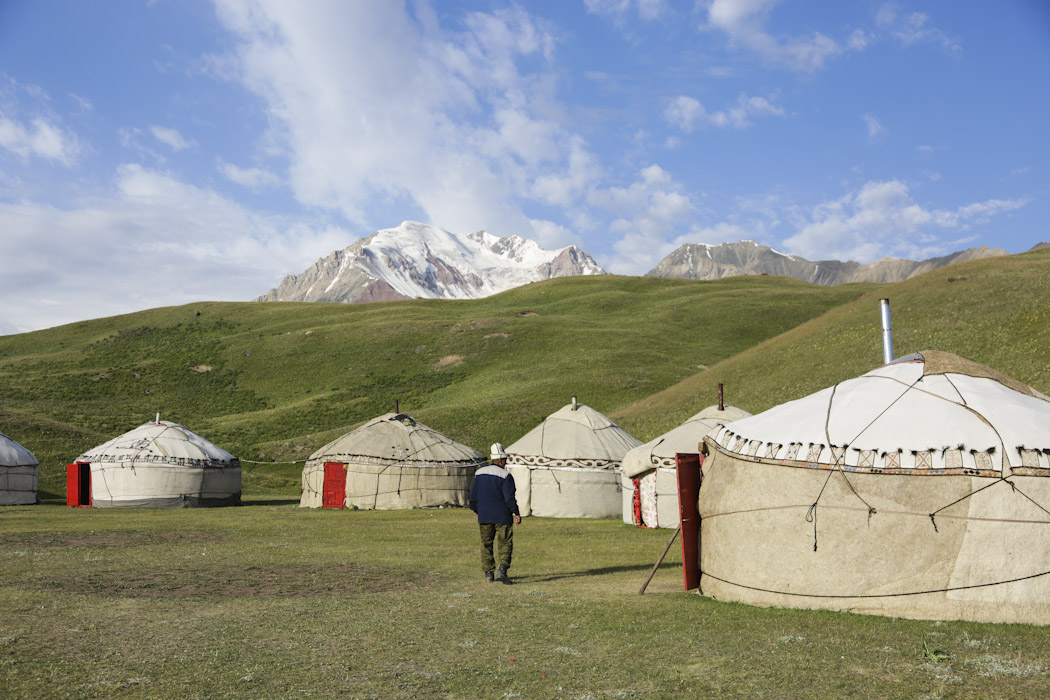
492 495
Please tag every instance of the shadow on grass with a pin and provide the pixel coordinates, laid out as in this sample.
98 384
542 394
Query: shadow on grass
270 502
601 571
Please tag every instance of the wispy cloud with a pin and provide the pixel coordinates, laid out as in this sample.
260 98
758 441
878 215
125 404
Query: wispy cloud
621 9
874 126
170 137
252 178
744 22
149 251
913 28
38 138
688 113
883 219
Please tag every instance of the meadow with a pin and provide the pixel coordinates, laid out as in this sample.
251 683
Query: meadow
272 601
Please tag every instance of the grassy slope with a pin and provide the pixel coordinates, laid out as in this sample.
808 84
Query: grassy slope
996 312
286 378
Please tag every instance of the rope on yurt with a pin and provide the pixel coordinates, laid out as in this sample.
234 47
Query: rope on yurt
811 514
1001 479
878 595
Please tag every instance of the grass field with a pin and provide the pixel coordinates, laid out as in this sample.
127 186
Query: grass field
273 601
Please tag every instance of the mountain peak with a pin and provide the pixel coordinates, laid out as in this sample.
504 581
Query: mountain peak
751 258
419 260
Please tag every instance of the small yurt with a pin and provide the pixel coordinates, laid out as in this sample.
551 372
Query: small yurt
390 462
650 484
18 473
569 465
156 465
920 489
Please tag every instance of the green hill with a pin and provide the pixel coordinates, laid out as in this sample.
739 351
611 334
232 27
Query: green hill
275 381
994 311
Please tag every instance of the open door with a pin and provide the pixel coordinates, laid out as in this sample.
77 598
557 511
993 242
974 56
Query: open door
333 492
688 469
78 485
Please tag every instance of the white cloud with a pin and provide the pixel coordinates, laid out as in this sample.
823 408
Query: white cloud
376 103
619 9
647 214
252 178
874 127
170 137
39 138
155 241
687 113
743 21
882 219
913 28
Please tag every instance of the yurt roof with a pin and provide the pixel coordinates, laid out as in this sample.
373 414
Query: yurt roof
575 431
927 411
14 455
162 442
660 451
397 438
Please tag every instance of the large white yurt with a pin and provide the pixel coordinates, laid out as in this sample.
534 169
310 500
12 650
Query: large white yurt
390 462
156 465
920 489
569 465
650 483
18 474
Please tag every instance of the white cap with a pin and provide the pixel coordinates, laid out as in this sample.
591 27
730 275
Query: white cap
497 452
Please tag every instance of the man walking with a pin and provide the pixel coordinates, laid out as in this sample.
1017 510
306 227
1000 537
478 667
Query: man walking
492 498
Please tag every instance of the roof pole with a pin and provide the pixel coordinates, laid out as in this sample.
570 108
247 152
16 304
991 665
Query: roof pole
887 332
721 404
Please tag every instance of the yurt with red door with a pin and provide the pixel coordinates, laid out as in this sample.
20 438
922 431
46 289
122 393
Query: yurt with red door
391 462
650 485
18 474
920 489
157 465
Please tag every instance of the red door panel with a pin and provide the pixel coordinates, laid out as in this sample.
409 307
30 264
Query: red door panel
688 468
333 493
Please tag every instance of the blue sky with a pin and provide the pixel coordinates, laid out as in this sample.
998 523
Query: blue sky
158 153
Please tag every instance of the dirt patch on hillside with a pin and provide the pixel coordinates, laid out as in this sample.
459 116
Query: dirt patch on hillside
526 313
117 538
230 582
449 361
497 335
201 369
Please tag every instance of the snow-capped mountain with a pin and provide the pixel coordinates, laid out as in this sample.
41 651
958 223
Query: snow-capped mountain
700 261
417 260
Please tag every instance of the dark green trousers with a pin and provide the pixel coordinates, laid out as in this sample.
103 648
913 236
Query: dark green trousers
500 535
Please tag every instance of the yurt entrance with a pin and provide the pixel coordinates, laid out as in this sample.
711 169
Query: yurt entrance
689 476
333 492
78 485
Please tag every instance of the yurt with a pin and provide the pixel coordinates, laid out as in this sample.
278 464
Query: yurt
650 486
156 465
18 473
919 489
569 465
390 462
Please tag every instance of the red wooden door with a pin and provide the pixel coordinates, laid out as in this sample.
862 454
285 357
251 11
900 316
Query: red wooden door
688 468
333 493
78 485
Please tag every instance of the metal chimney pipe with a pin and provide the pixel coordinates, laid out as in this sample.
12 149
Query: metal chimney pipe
887 332
397 406
574 403
721 404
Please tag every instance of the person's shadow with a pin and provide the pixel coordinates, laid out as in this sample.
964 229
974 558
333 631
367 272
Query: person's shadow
601 571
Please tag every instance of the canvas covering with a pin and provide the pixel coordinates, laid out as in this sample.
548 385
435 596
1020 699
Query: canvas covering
660 498
162 465
18 474
394 462
918 490
569 465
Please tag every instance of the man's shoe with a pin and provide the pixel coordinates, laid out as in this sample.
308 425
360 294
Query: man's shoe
488 577
501 575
